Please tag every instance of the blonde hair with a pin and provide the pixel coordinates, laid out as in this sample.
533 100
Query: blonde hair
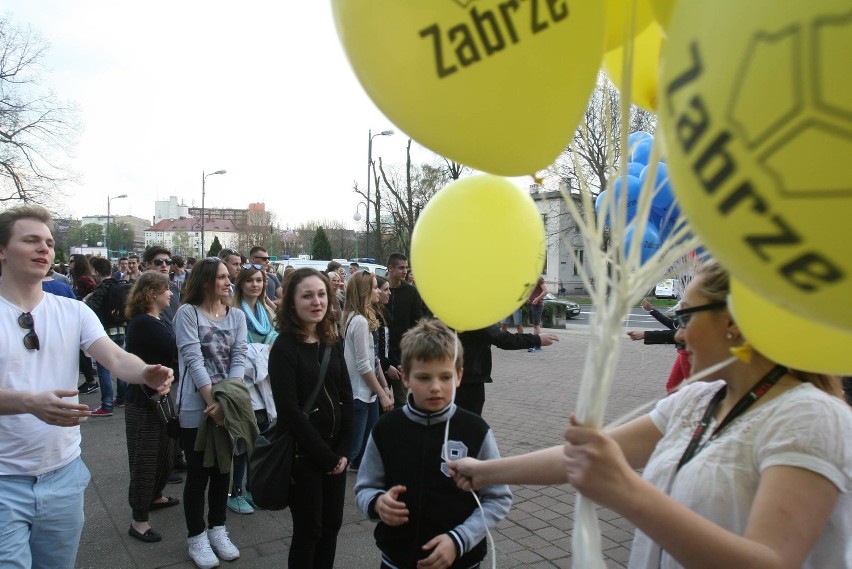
714 283
428 341
359 300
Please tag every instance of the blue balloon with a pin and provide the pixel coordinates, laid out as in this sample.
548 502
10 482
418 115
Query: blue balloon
634 186
642 151
638 136
635 169
651 241
600 202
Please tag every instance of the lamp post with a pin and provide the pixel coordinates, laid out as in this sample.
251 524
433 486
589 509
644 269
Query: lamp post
203 179
357 217
106 234
370 137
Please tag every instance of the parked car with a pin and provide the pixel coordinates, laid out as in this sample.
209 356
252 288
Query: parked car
666 289
572 309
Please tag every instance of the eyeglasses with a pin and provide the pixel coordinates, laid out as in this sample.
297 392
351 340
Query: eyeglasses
161 262
253 266
682 317
26 322
260 258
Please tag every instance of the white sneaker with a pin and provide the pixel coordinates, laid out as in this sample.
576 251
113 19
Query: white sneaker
221 543
200 552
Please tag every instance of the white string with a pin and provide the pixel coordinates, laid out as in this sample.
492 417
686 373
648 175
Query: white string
445 457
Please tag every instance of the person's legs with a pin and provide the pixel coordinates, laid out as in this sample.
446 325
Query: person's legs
306 509
370 419
105 381
120 386
217 497
195 485
58 522
518 321
400 396
17 511
535 315
471 397
359 423
333 496
86 368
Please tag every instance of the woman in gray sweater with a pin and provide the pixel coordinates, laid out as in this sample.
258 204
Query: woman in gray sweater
211 340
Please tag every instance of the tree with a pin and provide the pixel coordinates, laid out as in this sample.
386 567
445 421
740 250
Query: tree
181 244
92 234
120 236
321 247
36 130
408 193
597 141
256 230
215 247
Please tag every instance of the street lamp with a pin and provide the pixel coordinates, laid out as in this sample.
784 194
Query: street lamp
203 179
106 234
370 137
357 217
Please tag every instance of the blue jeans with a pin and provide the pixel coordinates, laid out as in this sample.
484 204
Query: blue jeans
365 417
105 379
41 518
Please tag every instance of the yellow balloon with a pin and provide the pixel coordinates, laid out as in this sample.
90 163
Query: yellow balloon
618 19
788 338
663 10
646 61
498 86
756 112
465 226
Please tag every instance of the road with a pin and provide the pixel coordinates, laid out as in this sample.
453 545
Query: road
637 318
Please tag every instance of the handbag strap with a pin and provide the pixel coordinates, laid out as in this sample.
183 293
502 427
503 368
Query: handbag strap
326 356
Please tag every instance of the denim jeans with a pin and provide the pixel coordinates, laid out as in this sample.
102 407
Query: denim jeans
105 379
41 518
365 417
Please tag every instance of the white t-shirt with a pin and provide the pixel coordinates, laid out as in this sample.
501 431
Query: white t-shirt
28 446
804 427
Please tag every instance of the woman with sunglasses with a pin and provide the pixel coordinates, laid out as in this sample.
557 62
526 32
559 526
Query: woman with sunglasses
150 449
753 469
323 435
211 341
249 295
370 390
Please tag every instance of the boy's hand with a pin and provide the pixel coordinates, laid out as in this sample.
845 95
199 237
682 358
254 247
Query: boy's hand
390 510
443 553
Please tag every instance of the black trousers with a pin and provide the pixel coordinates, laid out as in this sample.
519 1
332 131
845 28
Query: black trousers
199 479
471 397
150 453
316 504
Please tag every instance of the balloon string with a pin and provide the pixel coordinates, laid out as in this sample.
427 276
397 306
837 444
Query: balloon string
691 379
446 458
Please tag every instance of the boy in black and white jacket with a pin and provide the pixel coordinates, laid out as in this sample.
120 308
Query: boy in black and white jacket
403 482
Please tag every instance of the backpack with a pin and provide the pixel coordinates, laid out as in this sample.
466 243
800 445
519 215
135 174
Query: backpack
111 312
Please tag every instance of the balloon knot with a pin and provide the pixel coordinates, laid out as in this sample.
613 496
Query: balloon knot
743 353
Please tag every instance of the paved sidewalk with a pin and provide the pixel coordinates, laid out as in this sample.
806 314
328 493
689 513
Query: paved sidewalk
527 406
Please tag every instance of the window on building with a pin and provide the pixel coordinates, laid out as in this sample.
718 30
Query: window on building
578 256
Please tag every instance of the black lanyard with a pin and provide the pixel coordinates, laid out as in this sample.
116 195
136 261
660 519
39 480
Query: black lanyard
759 390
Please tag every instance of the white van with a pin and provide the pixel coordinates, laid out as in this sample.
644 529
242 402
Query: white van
665 289
321 266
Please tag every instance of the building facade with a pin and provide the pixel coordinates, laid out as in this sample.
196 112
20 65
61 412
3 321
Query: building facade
183 236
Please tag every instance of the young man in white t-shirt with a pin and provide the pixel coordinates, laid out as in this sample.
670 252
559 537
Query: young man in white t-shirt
42 477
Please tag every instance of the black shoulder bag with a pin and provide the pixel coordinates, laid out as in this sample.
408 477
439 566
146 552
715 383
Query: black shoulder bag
271 464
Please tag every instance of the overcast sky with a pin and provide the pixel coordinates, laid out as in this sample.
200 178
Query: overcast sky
167 90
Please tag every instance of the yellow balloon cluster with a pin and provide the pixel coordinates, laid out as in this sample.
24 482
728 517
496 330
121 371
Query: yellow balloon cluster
483 221
757 117
618 23
498 86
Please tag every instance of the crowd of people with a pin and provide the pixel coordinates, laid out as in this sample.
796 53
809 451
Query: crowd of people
208 354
